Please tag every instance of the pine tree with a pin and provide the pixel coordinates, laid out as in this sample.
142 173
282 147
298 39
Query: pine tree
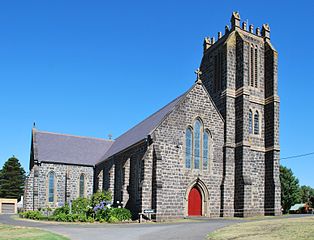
12 176
290 191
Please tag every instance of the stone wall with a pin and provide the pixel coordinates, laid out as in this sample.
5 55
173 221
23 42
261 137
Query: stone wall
125 175
174 180
152 174
66 184
247 155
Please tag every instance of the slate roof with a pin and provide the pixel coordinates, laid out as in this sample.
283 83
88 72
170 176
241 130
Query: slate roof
69 149
141 130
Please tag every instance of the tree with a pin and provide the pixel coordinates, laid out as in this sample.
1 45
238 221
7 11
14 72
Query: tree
290 193
311 201
306 192
12 177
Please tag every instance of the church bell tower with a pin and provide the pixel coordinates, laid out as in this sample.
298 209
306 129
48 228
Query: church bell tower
239 70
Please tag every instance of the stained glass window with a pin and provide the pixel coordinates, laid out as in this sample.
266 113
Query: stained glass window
256 123
82 182
197 143
205 150
51 187
250 122
188 148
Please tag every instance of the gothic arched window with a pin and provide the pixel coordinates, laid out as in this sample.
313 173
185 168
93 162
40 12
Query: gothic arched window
51 187
256 123
82 186
205 149
188 147
197 143
255 65
252 67
250 122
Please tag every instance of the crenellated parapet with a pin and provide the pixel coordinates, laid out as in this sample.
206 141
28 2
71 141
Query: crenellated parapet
261 32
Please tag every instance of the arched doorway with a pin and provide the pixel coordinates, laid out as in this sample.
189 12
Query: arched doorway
195 202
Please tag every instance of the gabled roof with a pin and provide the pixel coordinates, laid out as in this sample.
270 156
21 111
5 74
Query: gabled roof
141 130
68 149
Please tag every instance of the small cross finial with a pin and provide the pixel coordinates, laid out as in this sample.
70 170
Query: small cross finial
198 75
110 136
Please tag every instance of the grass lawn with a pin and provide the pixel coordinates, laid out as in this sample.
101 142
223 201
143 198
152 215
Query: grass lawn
277 229
23 233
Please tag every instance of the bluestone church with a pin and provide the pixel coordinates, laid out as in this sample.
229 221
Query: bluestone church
213 151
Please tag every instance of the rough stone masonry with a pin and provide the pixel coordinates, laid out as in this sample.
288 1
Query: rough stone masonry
213 151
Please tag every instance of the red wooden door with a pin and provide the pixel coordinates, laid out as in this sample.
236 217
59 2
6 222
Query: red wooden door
195 202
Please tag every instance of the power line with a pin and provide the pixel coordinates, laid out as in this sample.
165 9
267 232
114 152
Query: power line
297 156
289 157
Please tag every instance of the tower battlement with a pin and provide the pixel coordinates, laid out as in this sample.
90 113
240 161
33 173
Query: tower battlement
236 26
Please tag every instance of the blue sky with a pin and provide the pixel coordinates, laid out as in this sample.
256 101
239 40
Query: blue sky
94 68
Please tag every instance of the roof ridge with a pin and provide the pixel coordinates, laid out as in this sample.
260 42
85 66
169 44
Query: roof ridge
180 100
71 135
113 149
151 115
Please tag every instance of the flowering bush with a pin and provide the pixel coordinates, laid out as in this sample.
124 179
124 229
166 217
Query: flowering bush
97 208
101 210
99 197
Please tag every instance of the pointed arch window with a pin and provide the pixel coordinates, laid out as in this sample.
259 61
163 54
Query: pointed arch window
255 68
205 149
198 146
256 123
51 187
250 122
197 143
188 147
82 186
252 67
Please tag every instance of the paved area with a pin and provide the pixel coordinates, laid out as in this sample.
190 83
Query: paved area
183 231
150 231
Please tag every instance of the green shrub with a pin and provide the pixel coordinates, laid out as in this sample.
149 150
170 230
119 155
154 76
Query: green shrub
64 209
102 214
43 218
122 214
81 205
51 218
61 217
113 219
35 215
82 218
99 197
90 219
